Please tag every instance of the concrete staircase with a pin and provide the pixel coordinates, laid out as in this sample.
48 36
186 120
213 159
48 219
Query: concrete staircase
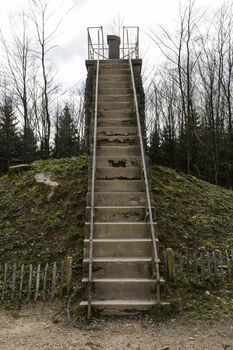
123 280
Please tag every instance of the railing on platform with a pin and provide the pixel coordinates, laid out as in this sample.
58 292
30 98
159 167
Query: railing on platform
97 47
130 42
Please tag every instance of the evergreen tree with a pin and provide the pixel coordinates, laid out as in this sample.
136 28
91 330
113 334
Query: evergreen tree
10 139
66 138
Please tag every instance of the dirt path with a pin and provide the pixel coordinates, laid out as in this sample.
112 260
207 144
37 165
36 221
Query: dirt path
40 328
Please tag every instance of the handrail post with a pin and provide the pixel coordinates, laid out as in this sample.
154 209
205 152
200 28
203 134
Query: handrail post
89 311
102 41
156 258
123 42
93 48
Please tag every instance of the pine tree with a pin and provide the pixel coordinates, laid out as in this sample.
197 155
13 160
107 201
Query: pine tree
10 139
66 138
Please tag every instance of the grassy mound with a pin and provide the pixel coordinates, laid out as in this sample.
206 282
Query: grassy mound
191 213
35 229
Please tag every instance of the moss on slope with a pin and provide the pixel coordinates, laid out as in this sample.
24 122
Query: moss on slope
33 229
191 213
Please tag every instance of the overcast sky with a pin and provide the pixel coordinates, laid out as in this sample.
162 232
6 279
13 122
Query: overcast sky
71 52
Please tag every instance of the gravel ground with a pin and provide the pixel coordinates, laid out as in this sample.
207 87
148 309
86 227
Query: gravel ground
42 327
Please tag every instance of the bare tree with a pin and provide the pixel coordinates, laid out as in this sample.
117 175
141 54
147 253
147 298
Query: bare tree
17 70
42 16
116 25
178 50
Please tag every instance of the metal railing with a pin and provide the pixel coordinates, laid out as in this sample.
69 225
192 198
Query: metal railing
93 176
130 42
97 48
144 168
97 51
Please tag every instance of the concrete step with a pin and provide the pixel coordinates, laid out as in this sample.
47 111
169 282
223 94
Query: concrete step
120 229
116 140
117 161
118 198
115 67
114 63
122 288
113 72
119 214
115 122
126 267
115 105
119 185
114 90
123 307
115 98
119 247
118 173
117 77
116 130
118 151
116 114
104 84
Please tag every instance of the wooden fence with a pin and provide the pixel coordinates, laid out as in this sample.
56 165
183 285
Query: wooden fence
47 281
28 282
206 267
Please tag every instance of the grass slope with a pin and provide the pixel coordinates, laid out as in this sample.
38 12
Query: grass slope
33 229
191 213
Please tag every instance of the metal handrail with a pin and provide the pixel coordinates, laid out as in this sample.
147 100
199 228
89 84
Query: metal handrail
102 50
156 258
134 45
93 180
92 47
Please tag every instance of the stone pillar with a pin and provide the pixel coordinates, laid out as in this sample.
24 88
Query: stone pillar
114 46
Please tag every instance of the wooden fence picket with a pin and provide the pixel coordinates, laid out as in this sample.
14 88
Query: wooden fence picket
214 264
228 265
13 281
202 267
221 266
69 264
30 282
209 264
54 277
51 280
196 266
26 283
21 281
37 282
62 277
45 280
4 280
